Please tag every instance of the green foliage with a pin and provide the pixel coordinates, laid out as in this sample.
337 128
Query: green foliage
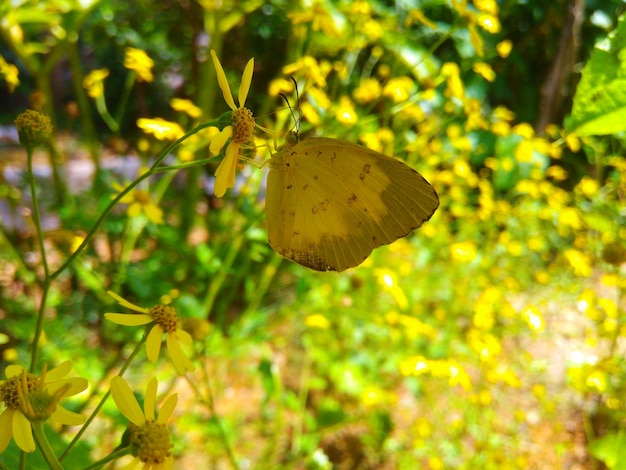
600 103
490 338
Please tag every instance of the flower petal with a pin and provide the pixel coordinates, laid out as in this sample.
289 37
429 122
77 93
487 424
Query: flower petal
223 83
6 430
134 209
218 141
76 385
69 418
225 173
181 362
129 319
150 399
126 401
183 336
246 80
154 213
13 370
153 343
58 372
167 408
127 304
23 433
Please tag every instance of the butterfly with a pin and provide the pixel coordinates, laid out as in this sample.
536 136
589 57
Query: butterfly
329 202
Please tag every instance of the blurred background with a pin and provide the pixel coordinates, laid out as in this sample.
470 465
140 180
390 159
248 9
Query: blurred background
492 337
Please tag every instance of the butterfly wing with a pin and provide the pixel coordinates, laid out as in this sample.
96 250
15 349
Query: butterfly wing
330 203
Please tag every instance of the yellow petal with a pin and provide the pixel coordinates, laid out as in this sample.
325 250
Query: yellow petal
127 304
218 141
129 319
74 385
153 343
167 408
126 401
223 83
134 209
150 399
181 362
225 173
183 336
154 213
23 433
6 430
69 418
58 372
246 80
13 370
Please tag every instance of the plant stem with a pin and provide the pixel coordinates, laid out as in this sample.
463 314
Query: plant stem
109 458
151 171
44 446
104 398
44 260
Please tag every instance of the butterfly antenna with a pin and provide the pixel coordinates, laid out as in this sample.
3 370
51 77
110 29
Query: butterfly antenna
297 119
295 85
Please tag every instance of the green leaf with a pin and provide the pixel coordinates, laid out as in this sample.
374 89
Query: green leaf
600 101
611 450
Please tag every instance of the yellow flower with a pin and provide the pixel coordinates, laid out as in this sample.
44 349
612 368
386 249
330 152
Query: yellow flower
417 16
239 133
10 73
319 17
368 90
30 398
139 201
94 82
346 114
138 60
485 70
160 128
455 85
317 320
186 106
165 321
504 48
399 89
309 68
489 23
149 438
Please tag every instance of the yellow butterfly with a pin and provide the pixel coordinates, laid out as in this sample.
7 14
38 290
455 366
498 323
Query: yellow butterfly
329 203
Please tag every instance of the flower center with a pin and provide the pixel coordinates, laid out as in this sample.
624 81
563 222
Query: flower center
166 317
151 442
142 196
8 390
243 125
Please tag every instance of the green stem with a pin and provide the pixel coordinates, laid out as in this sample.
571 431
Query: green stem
36 213
123 102
118 454
104 398
103 111
39 325
151 171
44 260
44 446
182 166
